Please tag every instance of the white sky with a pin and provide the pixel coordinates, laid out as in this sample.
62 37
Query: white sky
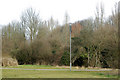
77 9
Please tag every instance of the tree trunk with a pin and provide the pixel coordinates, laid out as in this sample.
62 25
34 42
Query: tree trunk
96 60
88 59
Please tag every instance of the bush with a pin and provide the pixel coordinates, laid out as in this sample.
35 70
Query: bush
65 59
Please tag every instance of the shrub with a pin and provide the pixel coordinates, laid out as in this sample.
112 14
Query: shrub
65 59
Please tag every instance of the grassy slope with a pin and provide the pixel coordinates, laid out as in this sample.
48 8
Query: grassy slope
0 72
46 67
40 67
51 74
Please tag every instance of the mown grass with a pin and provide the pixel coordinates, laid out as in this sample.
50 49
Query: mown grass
53 74
38 67
0 73
8 73
47 67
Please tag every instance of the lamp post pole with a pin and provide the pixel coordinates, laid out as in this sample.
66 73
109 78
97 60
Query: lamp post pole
70 47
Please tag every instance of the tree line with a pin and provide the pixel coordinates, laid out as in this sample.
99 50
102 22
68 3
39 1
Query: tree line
33 41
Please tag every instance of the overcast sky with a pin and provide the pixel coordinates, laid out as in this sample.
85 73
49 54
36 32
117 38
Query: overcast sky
77 9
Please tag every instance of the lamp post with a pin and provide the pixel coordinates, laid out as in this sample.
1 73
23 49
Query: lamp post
70 47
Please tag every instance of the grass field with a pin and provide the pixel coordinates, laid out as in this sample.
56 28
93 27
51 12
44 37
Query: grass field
36 67
46 67
40 67
7 73
53 74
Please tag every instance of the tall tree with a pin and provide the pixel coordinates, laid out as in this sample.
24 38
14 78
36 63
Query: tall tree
30 20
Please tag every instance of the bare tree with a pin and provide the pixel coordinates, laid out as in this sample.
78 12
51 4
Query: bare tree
30 20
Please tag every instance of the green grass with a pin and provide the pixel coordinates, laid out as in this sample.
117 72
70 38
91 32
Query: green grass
7 73
53 74
0 73
38 67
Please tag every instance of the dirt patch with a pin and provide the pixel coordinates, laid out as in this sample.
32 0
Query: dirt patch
9 62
